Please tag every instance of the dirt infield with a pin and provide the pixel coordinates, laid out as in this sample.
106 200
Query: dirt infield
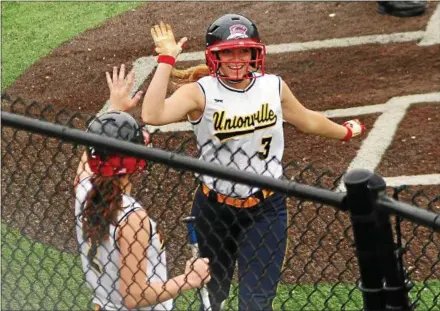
72 77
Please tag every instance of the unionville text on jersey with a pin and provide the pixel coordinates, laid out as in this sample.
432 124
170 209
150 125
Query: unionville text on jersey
241 125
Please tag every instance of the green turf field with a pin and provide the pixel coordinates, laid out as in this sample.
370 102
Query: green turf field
36 277
33 29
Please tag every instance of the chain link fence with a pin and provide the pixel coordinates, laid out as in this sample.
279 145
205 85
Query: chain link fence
41 267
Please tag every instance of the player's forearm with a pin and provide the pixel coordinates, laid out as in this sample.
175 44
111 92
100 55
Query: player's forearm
155 292
320 125
154 100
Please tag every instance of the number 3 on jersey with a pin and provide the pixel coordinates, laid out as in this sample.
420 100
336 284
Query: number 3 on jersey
265 142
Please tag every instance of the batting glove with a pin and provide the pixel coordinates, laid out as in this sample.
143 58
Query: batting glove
354 128
164 40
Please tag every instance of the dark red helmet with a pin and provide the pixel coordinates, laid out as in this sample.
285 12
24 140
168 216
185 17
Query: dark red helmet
233 31
119 125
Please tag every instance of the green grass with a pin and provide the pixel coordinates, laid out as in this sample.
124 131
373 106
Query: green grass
33 29
36 277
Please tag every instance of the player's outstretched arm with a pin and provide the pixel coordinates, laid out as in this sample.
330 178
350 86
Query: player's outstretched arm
156 108
313 122
133 240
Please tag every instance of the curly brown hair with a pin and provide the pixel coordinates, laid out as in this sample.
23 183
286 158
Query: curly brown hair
101 209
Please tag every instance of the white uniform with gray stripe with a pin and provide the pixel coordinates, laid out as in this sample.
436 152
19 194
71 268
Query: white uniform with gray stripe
105 283
241 129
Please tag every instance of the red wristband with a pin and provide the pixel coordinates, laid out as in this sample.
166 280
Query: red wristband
166 59
348 135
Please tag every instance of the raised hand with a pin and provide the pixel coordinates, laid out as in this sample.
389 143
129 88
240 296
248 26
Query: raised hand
120 88
164 40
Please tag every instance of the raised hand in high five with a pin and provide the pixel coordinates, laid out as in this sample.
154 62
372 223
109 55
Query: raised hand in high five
120 87
164 40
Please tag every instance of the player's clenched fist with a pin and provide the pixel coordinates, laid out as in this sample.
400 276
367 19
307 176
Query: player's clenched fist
354 128
164 40
197 272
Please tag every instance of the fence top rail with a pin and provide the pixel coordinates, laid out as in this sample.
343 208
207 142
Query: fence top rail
291 188
73 135
409 212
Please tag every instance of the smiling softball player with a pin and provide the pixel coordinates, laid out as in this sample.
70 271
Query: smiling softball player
237 111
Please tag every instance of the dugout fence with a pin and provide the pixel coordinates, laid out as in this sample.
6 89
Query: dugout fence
372 247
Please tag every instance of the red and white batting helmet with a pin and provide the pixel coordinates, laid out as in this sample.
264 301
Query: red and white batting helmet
229 32
119 125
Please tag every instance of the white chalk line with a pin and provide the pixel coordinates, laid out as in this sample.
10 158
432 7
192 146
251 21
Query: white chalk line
380 137
374 146
422 180
432 33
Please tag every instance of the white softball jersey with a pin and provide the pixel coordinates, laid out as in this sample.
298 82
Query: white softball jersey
241 129
102 276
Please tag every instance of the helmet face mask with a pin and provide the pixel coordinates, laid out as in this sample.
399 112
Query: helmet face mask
119 125
233 31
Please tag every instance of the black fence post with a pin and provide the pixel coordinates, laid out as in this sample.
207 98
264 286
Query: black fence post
396 287
366 238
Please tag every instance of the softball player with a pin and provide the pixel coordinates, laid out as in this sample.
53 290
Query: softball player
237 111
122 254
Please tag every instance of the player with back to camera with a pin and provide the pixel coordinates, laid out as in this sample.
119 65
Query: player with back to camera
122 253
237 111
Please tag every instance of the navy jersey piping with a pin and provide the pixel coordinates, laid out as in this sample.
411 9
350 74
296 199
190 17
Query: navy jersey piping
279 85
125 216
